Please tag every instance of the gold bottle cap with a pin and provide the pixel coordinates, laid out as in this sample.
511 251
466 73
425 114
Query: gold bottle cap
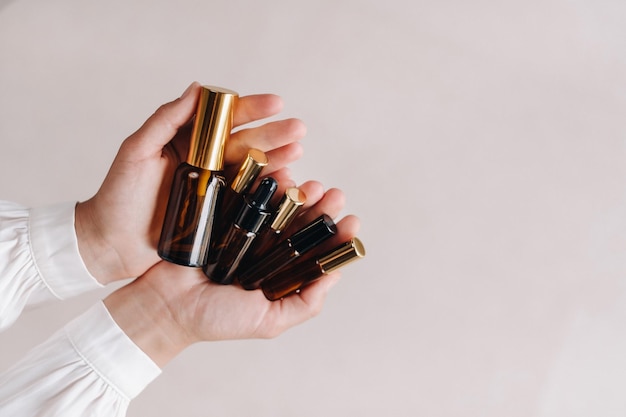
342 255
250 169
211 128
293 199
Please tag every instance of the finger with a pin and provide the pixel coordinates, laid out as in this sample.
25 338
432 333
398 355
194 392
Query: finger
331 204
163 125
314 191
267 137
347 228
278 159
248 109
281 157
316 292
256 107
284 180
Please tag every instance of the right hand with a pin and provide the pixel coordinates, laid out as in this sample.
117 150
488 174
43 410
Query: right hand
119 227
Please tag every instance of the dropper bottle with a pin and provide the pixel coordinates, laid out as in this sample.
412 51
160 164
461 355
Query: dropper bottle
235 192
273 233
233 246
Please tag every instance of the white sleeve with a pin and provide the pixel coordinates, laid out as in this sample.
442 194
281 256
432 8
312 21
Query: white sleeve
88 368
39 258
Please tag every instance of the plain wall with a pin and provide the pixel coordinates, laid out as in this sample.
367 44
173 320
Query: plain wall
482 144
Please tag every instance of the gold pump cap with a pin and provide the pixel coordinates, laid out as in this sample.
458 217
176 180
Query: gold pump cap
250 169
342 255
293 199
211 128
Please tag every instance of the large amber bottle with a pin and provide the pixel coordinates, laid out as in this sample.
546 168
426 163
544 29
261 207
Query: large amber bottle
198 183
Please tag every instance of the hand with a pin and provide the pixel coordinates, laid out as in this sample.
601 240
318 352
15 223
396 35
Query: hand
118 229
172 307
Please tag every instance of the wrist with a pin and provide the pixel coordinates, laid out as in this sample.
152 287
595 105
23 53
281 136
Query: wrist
55 253
95 253
143 313
88 246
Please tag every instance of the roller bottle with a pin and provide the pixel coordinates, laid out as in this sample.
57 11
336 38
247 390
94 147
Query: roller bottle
287 251
299 274
272 234
198 183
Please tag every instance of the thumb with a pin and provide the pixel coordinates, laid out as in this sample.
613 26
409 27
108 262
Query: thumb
163 125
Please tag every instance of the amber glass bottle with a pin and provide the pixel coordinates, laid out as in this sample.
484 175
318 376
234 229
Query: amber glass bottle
249 170
233 246
236 190
287 251
198 183
302 273
194 199
271 235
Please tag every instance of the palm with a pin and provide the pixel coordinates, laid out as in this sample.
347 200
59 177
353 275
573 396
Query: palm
209 311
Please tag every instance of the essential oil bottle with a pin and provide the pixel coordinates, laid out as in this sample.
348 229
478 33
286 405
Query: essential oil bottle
287 251
198 183
234 193
270 236
302 273
233 246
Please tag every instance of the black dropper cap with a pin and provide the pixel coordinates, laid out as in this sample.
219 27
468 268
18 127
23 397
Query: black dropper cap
255 210
313 234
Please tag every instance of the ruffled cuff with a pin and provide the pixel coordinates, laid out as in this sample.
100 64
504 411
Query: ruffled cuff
39 258
110 352
55 251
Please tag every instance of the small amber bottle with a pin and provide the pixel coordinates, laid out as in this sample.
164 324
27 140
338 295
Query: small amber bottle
302 273
234 193
287 251
271 235
197 186
233 246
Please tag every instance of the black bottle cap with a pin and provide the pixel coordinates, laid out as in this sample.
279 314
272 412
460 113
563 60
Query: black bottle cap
313 234
255 209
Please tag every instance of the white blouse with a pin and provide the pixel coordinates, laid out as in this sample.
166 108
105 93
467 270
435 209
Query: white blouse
88 368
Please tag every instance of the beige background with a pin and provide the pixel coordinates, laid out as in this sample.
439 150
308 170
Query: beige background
481 142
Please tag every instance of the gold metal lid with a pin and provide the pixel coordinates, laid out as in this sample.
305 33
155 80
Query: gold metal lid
342 255
249 170
211 128
293 199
